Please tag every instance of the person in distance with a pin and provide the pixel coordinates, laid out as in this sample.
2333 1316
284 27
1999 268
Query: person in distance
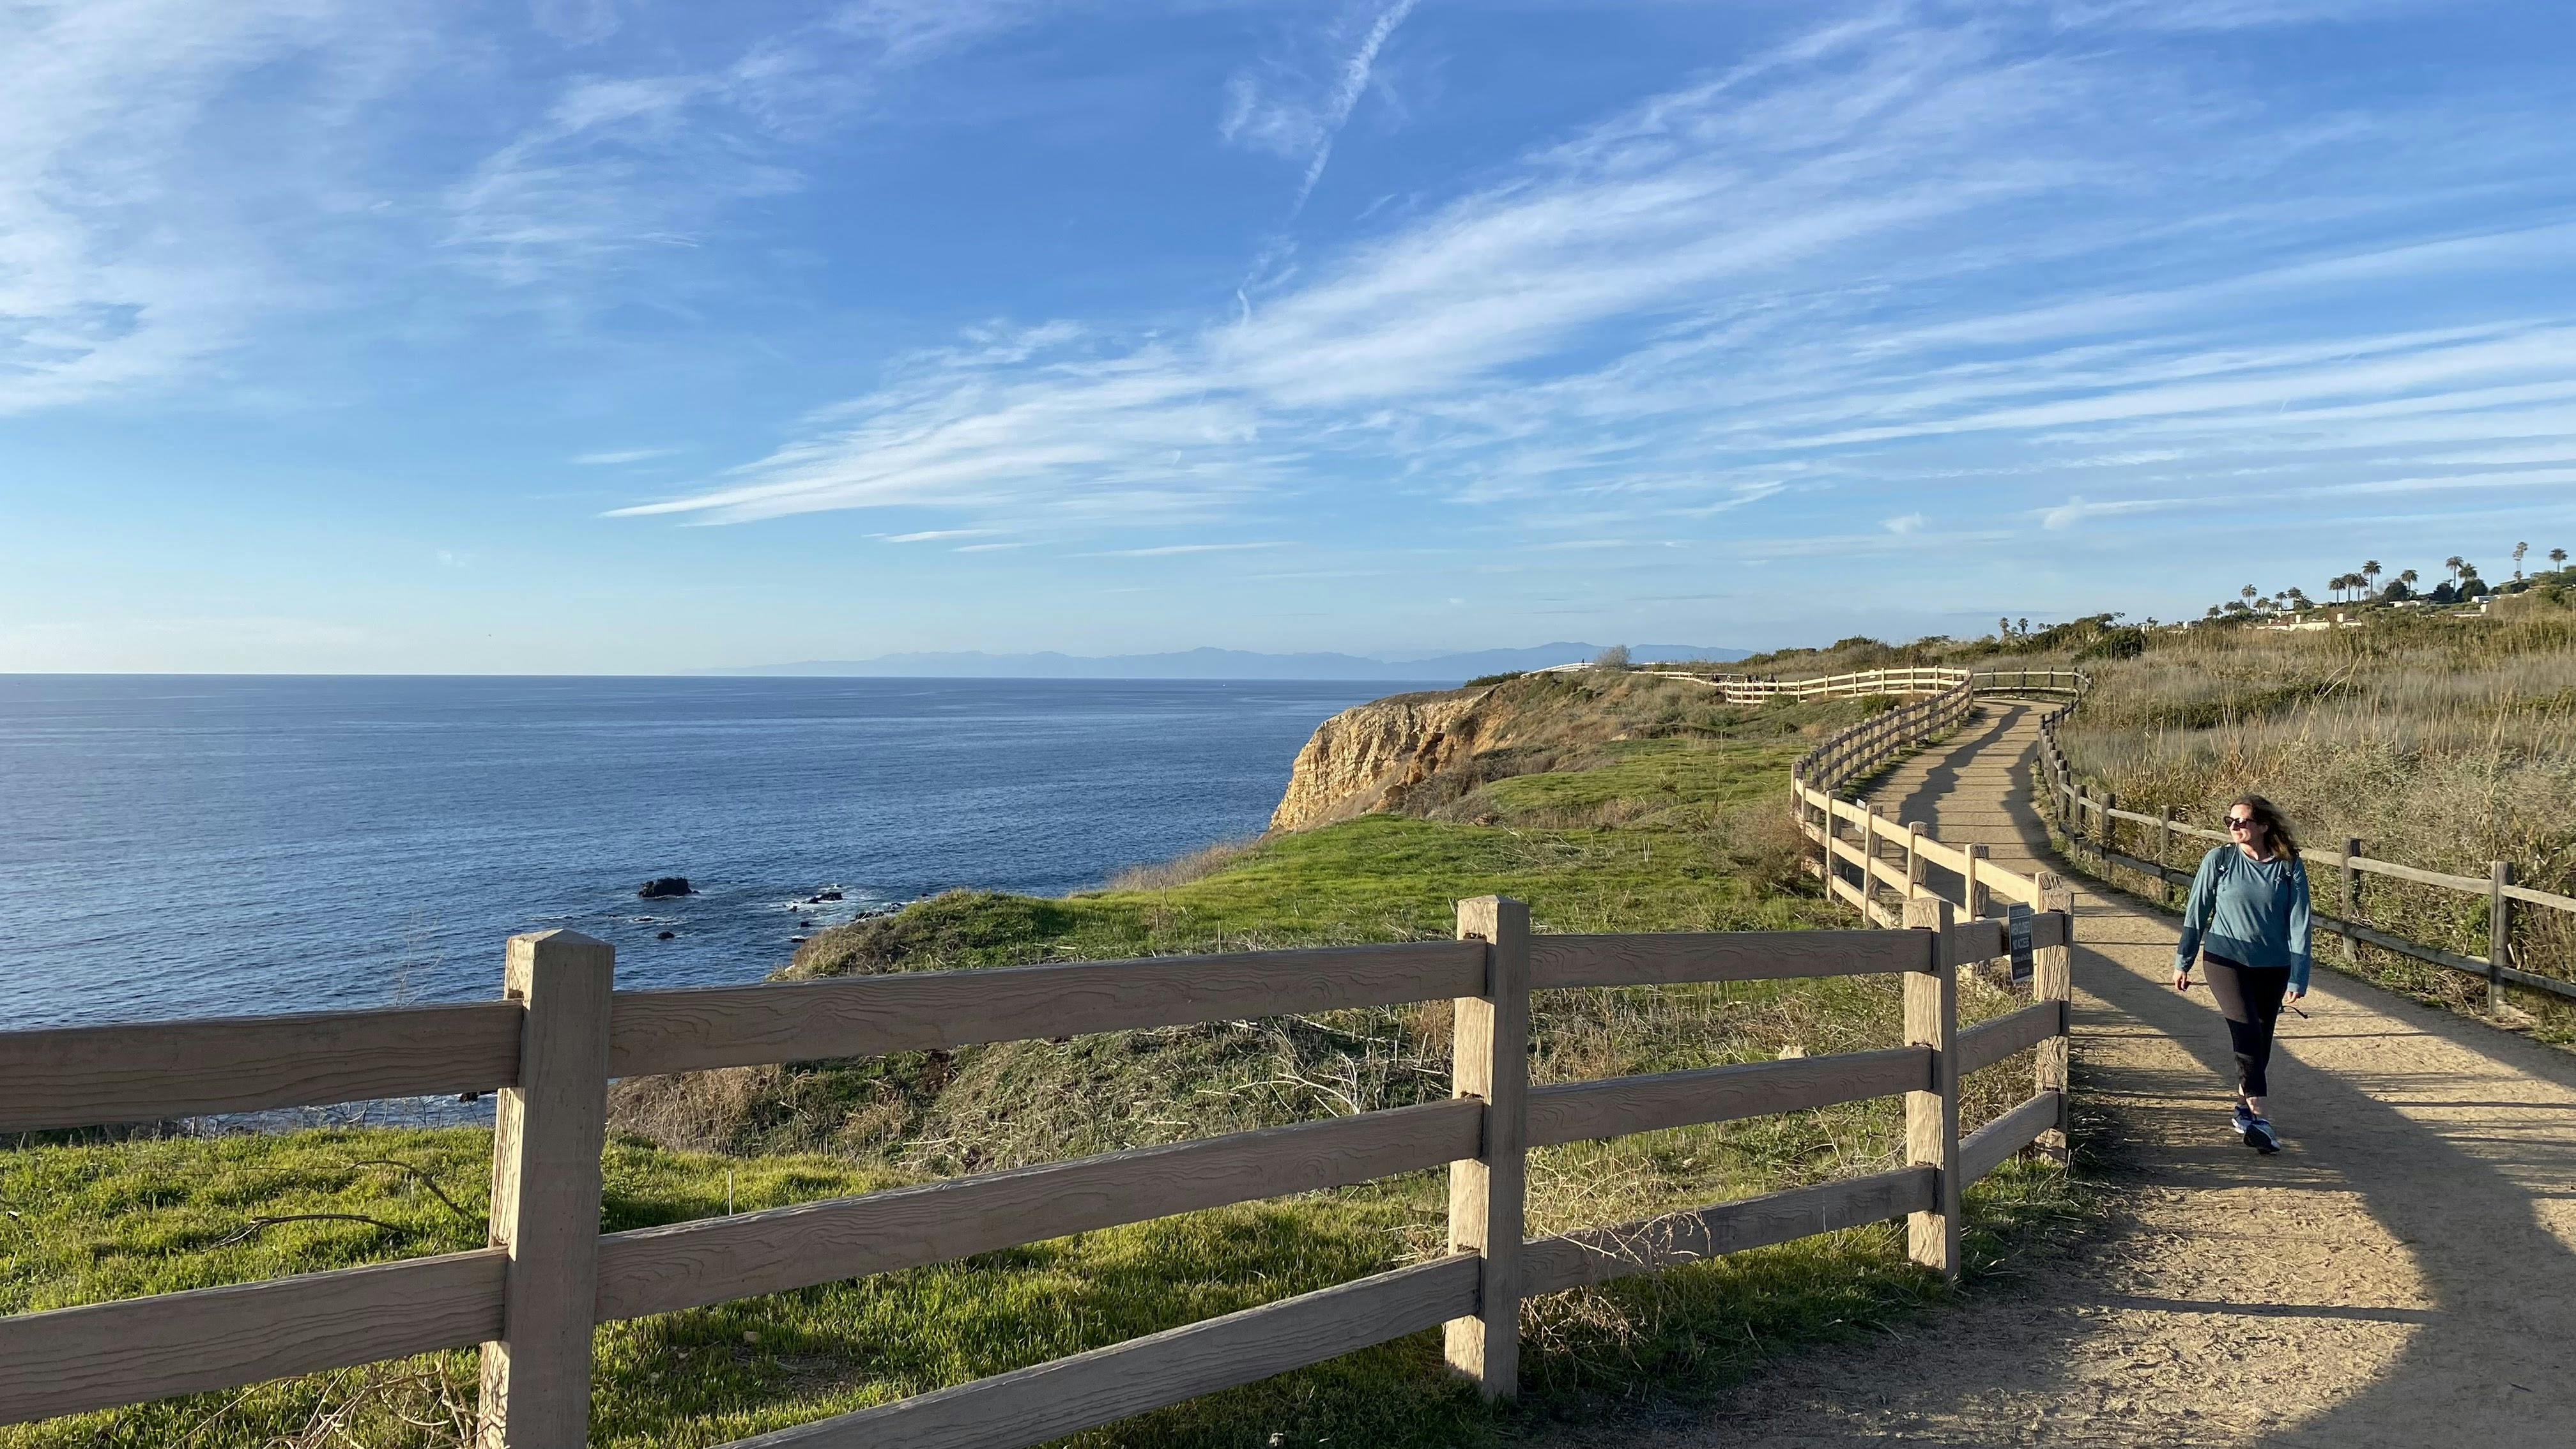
2247 920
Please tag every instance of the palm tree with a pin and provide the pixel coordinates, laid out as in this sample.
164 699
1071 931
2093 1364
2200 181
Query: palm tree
2408 579
2025 626
2519 550
2370 574
2455 564
2003 628
2558 557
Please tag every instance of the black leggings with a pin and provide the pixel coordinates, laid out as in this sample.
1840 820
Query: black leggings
2250 998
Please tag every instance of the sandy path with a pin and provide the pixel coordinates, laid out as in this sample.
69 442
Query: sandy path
2404 1273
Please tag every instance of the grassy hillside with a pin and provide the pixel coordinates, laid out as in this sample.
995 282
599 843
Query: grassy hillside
1625 804
2441 740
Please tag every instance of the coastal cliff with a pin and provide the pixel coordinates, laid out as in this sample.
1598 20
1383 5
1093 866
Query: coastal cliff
1358 758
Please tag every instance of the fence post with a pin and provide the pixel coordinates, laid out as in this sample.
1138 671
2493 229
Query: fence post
2499 932
1825 845
2110 828
1868 854
2164 857
1490 1059
1932 1115
1974 898
546 1137
1914 861
2352 898
2052 978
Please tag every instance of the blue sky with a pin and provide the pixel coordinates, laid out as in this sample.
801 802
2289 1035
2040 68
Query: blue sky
591 335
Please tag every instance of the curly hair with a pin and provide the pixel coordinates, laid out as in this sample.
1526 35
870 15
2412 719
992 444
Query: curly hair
2276 828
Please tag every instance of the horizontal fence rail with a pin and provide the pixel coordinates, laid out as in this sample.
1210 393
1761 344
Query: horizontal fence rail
2091 820
531 1298
550 1049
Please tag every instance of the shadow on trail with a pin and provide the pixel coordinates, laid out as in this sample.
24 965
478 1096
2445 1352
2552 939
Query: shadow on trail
2463 1204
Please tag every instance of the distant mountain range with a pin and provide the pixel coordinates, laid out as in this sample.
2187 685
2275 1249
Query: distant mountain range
1220 664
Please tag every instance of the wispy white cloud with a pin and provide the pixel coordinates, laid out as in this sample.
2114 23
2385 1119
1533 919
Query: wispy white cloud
928 534
1899 253
622 166
2076 509
1289 112
614 456
134 246
1170 550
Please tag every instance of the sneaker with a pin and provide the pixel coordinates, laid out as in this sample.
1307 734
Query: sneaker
2260 1136
2241 1120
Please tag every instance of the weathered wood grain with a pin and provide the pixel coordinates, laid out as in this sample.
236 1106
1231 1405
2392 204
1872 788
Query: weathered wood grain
1970 941
1050 1400
1597 1255
1890 873
1489 1059
1946 856
1932 1115
138 1349
2529 896
2052 979
1989 1042
857 1016
546 1137
100 1075
712 1260
1673 958
2371 865
1585 1111
1988 1146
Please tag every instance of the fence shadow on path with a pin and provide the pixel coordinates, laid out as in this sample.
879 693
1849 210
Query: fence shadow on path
2389 1105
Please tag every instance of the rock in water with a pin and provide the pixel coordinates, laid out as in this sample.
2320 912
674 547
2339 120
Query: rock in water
666 936
665 885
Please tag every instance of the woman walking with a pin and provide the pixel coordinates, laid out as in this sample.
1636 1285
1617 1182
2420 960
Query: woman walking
2248 922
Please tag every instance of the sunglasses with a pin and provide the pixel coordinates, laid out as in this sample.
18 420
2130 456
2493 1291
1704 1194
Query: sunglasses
2240 822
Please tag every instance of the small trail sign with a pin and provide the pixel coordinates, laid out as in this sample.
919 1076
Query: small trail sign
2017 932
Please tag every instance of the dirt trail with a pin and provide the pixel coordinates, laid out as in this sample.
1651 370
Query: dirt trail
2403 1273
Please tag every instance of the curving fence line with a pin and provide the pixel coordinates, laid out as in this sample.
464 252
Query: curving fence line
1892 855
562 1032
2091 821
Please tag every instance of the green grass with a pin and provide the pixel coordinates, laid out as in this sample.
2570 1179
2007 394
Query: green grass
1681 833
147 1217
2442 741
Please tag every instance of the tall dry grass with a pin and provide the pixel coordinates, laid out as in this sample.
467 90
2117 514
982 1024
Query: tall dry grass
2443 742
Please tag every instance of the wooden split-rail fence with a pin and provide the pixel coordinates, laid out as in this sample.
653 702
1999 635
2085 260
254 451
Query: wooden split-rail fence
2091 820
562 1031
1888 859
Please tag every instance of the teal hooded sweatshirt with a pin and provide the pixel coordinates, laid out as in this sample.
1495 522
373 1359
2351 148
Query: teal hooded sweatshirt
2254 912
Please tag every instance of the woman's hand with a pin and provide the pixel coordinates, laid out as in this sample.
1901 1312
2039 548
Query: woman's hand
2298 993
2182 980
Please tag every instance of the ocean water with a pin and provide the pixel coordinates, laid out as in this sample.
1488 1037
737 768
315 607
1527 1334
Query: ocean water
192 846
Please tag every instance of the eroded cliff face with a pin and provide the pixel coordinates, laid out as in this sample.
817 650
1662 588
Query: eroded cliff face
1358 757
